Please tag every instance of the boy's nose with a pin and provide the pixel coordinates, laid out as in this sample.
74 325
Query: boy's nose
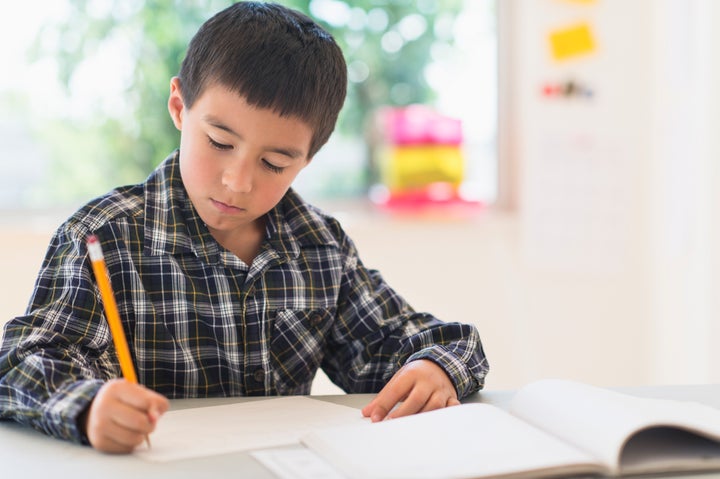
238 177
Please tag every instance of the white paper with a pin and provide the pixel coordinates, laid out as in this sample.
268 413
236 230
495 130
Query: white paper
471 440
207 431
297 463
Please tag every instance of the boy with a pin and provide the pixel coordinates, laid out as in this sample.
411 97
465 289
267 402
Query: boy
227 282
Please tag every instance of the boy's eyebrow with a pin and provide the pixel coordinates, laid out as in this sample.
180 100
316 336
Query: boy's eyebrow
214 122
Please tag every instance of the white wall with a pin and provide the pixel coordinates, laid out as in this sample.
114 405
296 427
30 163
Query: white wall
713 154
685 206
617 194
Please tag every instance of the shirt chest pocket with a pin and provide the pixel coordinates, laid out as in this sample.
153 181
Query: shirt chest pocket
297 345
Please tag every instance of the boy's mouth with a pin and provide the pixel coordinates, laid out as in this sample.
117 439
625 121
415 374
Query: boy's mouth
226 208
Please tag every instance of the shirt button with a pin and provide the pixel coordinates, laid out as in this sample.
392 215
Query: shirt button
315 320
259 375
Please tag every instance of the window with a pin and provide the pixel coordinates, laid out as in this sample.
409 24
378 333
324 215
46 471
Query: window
73 103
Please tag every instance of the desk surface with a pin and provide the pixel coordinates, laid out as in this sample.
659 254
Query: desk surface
25 453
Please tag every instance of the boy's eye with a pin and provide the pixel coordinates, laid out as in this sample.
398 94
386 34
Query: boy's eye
218 146
273 168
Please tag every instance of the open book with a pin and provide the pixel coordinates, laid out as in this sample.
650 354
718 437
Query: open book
552 428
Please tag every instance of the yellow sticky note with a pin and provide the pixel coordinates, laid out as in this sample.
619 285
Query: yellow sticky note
572 41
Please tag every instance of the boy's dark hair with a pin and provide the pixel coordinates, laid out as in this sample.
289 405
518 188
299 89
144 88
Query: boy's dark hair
276 58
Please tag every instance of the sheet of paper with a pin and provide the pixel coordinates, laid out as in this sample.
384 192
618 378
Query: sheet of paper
208 431
296 463
471 440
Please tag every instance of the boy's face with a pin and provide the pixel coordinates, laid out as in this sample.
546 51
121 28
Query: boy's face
236 161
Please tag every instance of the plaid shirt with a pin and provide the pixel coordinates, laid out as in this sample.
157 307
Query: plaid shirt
202 323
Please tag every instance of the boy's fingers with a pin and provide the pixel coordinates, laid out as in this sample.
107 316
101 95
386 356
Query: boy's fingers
132 419
375 410
123 439
437 400
107 434
154 415
421 401
159 406
378 414
157 410
140 397
151 404
416 402
394 392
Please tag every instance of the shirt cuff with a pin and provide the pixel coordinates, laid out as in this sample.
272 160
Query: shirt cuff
61 411
459 373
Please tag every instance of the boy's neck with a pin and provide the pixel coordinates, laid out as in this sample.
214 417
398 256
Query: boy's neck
245 244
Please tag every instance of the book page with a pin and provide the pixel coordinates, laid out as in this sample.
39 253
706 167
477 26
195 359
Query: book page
665 449
206 431
470 440
600 421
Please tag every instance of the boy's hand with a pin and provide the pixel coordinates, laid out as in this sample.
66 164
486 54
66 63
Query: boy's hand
422 385
121 415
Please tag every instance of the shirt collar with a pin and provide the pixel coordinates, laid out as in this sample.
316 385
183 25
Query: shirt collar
294 224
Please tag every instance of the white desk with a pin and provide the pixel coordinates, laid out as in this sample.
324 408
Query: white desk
25 453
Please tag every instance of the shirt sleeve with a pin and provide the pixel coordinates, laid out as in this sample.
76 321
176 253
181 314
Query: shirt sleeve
55 358
377 332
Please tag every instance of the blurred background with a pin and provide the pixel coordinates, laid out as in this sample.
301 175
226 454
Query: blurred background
544 169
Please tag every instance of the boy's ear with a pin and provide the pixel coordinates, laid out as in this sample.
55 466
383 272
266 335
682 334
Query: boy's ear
176 106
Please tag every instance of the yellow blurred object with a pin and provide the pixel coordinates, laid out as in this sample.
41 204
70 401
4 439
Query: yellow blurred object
413 167
572 41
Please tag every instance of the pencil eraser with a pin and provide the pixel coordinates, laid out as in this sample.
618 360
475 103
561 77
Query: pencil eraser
94 249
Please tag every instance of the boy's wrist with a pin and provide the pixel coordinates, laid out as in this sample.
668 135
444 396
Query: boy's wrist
63 410
81 423
453 366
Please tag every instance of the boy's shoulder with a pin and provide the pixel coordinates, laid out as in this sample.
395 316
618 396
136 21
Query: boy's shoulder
124 203
120 203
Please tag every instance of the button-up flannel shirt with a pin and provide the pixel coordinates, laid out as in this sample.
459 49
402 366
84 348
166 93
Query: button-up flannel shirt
202 323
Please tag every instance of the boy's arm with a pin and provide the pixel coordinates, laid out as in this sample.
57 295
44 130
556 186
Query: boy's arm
54 359
377 333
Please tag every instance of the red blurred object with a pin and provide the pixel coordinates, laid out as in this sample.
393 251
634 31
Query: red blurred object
436 195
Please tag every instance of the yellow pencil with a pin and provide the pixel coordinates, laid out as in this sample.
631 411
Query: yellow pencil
97 260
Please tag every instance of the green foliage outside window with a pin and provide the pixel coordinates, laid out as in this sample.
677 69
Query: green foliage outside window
387 43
